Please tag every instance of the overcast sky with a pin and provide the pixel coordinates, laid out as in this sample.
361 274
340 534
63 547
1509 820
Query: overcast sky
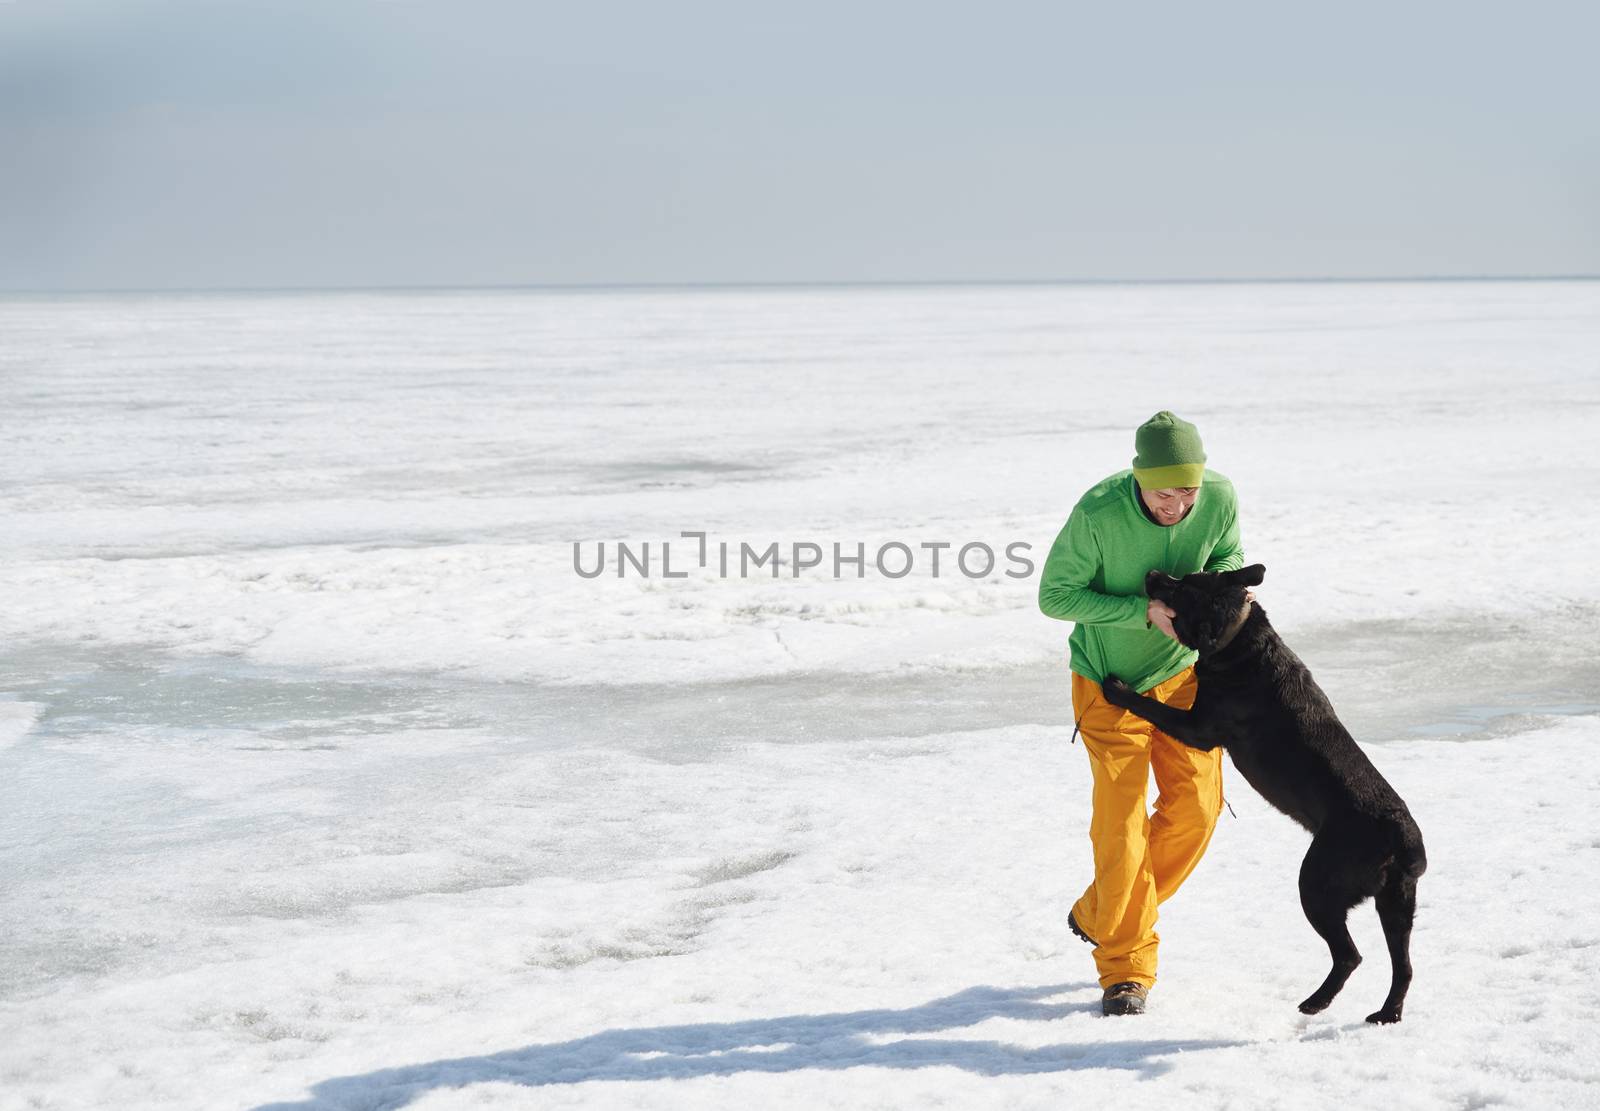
356 142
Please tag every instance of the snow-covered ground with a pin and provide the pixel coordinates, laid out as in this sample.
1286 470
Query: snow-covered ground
327 782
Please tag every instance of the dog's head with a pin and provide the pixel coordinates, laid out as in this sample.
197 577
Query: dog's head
1207 603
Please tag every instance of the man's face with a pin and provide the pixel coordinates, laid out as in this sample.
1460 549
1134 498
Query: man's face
1172 504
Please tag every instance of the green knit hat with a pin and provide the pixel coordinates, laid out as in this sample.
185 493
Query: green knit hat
1169 453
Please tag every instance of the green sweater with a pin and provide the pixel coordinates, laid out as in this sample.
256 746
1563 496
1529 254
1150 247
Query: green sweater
1095 575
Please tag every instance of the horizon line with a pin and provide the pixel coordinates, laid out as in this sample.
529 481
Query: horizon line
781 284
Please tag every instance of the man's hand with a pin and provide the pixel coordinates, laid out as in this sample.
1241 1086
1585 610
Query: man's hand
1160 615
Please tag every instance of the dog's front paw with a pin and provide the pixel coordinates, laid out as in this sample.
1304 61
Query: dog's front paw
1117 692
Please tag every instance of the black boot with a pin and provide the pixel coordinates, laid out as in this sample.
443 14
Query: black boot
1126 998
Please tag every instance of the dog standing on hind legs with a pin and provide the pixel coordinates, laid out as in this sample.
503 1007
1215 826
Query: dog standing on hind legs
1258 700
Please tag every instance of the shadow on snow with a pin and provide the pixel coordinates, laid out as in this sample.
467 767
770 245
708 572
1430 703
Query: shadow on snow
831 1041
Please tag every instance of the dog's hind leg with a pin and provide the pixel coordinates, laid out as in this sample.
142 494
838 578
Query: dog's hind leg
1327 902
1397 907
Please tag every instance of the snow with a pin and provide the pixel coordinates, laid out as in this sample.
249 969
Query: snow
325 782
16 718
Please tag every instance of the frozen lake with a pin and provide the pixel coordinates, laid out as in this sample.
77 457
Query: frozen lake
320 765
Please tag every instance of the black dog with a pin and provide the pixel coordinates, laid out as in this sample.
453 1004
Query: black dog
1257 700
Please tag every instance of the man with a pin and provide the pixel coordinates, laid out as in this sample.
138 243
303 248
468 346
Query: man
1167 512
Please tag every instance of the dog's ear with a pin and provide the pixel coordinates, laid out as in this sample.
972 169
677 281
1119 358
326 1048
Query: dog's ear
1248 576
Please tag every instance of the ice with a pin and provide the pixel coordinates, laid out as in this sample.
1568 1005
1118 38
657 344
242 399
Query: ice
325 782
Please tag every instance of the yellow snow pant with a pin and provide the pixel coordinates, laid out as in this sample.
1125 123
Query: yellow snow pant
1139 859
